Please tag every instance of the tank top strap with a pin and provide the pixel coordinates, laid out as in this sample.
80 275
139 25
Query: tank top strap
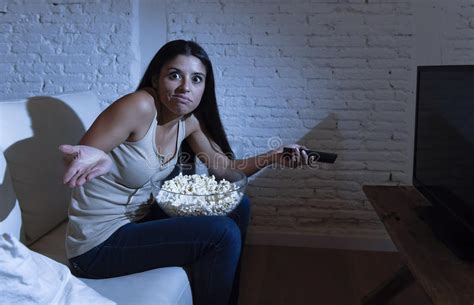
182 130
152 129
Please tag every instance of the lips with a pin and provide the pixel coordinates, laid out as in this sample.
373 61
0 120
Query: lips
182 99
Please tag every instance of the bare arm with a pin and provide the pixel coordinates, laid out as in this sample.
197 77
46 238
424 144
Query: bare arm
121 121
253 164
211 154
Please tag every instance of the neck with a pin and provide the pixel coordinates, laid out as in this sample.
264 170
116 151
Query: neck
165 117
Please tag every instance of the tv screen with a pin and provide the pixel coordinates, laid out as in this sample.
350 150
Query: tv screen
444 139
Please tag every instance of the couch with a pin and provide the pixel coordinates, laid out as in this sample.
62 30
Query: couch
33 206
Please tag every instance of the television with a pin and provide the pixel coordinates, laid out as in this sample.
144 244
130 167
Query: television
443 169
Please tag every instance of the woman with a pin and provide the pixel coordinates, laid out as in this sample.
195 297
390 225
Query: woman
114 229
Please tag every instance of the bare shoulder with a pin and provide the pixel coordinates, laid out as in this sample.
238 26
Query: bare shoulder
127 118
192 124
138 104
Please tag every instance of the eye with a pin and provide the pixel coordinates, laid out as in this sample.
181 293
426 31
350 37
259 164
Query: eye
174 76
197 79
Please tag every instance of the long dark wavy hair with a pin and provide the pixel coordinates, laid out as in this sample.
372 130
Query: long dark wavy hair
207 112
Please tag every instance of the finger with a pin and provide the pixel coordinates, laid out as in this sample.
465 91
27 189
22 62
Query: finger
298 156
305 157
293 163
70 153
93 174
80 180
86 174
73 180
70 183
83 178
70 172
68 149
285 158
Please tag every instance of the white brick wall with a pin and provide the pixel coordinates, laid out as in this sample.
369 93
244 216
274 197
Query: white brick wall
52 47
332 75
458 38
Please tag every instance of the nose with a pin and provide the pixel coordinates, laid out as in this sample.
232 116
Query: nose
184 86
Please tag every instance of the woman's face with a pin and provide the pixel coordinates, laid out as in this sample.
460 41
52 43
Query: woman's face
181 85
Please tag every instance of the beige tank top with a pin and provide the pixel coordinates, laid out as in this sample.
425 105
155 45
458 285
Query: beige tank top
123 195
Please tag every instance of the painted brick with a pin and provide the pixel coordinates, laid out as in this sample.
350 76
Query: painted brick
58 47
333 75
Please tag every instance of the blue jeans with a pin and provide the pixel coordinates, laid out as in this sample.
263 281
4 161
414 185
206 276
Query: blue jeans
210 246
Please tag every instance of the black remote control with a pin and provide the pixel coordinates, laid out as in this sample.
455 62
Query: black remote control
314 155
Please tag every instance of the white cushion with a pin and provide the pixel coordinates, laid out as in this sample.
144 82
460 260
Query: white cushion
163 286
27 277
30 132
52 244
29 135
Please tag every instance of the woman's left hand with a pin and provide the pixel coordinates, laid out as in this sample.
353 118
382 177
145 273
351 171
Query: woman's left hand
294 159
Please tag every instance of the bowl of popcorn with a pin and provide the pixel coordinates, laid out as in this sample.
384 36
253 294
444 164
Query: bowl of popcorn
215 193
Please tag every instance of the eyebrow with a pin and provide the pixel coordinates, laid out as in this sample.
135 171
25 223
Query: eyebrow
178 70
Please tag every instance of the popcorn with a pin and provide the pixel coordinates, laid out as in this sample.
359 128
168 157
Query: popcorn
198 195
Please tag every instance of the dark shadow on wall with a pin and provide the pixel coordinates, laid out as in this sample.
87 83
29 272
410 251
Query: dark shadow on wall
298 187
34 165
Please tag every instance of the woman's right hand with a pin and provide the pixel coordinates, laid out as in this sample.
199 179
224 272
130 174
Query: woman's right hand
84 163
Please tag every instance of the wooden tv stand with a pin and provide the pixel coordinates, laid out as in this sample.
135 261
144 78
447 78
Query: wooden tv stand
446 279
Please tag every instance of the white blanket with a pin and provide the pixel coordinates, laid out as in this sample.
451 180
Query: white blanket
27 277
